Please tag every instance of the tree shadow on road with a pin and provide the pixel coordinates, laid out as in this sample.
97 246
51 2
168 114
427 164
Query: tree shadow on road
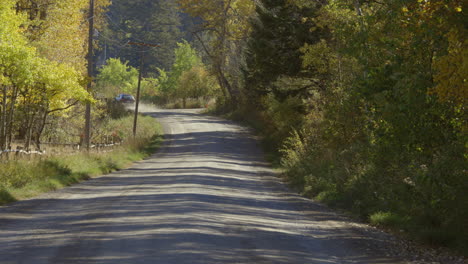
222 205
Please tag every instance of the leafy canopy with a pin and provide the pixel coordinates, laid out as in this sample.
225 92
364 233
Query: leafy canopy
116 77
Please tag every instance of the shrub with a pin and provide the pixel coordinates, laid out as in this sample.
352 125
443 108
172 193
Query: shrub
388 219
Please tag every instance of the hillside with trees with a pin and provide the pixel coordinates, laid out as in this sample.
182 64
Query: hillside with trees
156 22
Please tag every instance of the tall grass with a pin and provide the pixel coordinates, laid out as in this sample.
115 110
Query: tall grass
20 179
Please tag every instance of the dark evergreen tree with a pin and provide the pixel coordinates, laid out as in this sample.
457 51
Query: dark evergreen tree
148 21
279 31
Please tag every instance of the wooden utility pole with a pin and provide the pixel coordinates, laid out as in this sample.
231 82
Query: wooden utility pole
87 130
137 101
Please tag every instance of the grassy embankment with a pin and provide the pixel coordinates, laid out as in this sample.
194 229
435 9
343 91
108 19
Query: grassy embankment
21 179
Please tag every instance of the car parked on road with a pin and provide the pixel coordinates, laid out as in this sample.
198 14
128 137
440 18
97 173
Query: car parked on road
125 98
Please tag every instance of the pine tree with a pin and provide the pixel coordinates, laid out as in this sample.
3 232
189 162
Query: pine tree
279 32
155 22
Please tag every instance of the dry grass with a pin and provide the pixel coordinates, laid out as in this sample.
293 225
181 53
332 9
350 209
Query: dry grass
27 177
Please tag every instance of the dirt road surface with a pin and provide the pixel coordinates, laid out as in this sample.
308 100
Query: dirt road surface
206 197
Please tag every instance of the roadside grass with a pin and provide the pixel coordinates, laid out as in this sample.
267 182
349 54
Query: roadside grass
387 219
22 179
450 236
190 103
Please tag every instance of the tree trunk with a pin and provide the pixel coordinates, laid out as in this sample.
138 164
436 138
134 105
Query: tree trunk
220 76
10 117
40 130
358 8
3 116
225 84
29 130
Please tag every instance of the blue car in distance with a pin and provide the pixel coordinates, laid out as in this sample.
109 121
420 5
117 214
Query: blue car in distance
125 98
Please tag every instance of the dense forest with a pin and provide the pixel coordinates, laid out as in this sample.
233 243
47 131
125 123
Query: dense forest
154 22
361 101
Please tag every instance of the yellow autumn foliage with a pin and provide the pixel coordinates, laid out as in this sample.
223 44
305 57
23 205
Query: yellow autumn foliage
452 70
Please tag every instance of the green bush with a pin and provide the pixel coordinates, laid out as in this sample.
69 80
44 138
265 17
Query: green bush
5 196
387 219
116 109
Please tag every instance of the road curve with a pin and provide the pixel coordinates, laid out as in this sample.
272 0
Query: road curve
206 197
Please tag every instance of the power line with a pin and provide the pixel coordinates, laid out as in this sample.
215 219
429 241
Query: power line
115 24
115 41
119 28
121 45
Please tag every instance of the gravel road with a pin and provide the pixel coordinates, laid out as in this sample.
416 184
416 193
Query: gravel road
206 197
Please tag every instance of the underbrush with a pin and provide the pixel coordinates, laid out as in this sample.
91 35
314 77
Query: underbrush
271 120
20 179
419 193
190 103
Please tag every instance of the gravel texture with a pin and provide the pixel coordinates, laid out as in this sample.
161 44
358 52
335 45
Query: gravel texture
207 197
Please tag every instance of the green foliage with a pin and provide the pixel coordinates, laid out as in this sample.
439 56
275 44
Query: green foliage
378 139
366 103
6 197
387 219
116 77
188 78
185 58
283 114
150 89
196 83
223 28
276 84
116 110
